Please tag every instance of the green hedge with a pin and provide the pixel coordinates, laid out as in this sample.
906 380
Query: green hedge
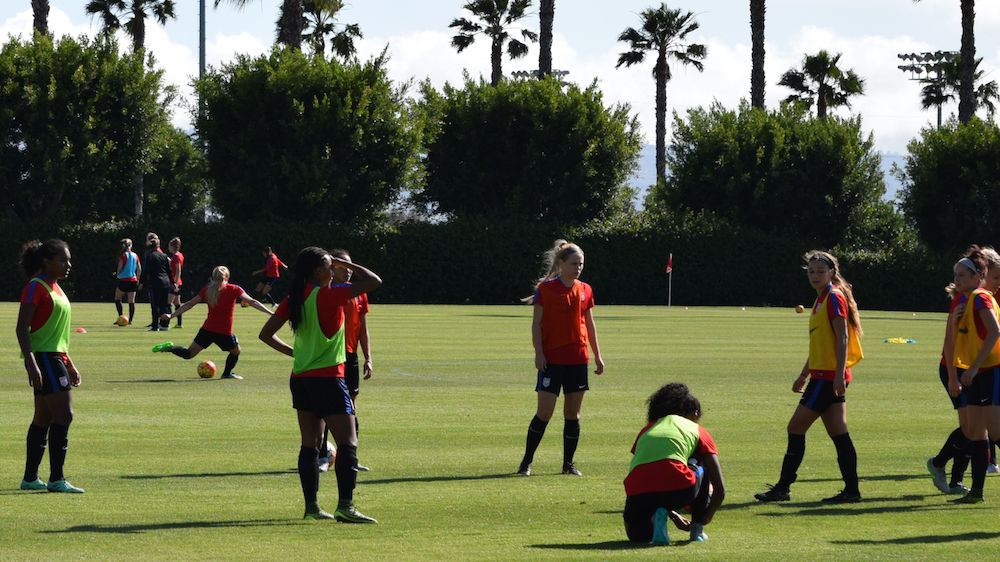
479 262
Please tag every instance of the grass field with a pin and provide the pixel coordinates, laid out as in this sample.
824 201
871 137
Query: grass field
178 468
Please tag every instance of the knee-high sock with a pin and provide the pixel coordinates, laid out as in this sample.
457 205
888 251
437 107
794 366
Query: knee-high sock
309 473
181 351
960 465
131 312
980 452
847 458
793 458
571 437
230 363
36 450
58 441
536 430
993 451
118 305
953 446
346 467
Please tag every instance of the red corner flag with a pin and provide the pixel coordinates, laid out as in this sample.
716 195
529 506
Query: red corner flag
670 263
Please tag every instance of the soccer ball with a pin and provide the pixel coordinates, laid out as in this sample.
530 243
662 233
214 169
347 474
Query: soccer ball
800 309
331 452
244 303
206 369
122 320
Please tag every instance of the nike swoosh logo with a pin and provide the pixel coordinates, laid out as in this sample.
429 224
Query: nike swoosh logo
813 329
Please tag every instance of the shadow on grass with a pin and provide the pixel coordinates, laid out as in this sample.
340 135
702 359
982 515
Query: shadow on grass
879 478
365 481
799 509
929 539
208 475
154 381
136 529
911 319
607 545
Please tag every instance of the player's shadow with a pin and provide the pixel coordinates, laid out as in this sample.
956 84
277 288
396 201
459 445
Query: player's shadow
205 475
138 529
155 381
366 481
607 545
878 478
816 508
927 539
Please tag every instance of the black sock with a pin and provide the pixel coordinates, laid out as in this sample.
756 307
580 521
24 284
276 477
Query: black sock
954 445
959 466
536 430
131 312
309 472
993 452
571 437
118 305
793 458
230 363
346 468
181 351
268 297
59 441
36 450
980 453
847 458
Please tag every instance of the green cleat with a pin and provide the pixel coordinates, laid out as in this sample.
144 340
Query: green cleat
350 514
317 515
163 347
36 485
63 486
974 496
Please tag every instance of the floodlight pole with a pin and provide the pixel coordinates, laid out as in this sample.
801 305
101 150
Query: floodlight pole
926 62
201 52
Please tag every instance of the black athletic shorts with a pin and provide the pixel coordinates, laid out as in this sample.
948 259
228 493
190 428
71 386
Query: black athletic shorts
55 375
985 388
352 374
962 399
224 341
323 396
128 286
571 378
818 396
640 508
270 281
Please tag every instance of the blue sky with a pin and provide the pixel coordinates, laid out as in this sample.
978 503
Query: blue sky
869 33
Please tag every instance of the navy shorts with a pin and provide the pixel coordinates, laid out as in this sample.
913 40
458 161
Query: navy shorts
962 399
818 396
270 281
55 375
985 388
128 286
352 374
224 341
571 378
323 396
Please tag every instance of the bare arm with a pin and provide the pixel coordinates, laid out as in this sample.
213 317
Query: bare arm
840 333
74 373
364 341
714 470
954 386
256 304
184 308
536 337
24 316
365 279
268 335
592 336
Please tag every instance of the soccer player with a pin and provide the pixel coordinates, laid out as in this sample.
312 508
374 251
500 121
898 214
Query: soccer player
669 460
156 275
176 268
221 297
562 326
128 278
43 329
834 347
271 274
314 309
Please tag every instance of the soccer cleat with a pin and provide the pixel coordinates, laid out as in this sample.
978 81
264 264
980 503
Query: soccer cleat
362 468
63 486
36 485
974 496
570 468
317 515
992 468
660 536
940 478
350 514
232 376
324 464
524 470
959 488
775 494
163 347
844 497
698 532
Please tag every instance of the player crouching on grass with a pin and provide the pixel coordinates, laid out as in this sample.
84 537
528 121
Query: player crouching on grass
221 297
670 458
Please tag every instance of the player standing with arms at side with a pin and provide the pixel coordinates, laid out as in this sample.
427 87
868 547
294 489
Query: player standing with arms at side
43 330
128 278
156 276
315 310
834 347
562 325
176 268
271 274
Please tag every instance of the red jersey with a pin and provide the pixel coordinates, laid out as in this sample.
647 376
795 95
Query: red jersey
330 304
352 321
220 316
176 265
271 267
564 327
36 294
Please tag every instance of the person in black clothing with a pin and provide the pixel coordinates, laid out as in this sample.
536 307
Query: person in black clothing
156 276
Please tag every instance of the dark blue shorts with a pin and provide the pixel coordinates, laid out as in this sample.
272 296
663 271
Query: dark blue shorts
818 396
962 399
571 378
270 281
55 375
224 341
985 388
323 396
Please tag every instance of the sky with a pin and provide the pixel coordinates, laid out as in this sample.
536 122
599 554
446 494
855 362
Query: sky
869 33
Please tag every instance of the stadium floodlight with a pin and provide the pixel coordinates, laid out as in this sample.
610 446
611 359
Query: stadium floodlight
927 63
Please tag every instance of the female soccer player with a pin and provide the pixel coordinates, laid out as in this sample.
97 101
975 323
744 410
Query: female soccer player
176 268
669 459
43 328
271 274
834 347
156 276
128 278
562 326
221 297
313 307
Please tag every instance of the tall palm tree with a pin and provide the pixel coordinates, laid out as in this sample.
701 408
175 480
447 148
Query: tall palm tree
757 83
40 9
936 93
967 70
291 23
111 13
321 16
823 82
663 31
497 17
546 15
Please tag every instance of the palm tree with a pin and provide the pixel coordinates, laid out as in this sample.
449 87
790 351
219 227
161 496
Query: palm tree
40 8
967 71
497 18
757 10
546 15
937 92
111 11
320 17
291 24
664 31
822 81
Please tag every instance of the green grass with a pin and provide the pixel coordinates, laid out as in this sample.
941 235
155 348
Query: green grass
178 468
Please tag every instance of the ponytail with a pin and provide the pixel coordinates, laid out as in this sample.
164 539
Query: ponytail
34 254
305 264
561 250
219 277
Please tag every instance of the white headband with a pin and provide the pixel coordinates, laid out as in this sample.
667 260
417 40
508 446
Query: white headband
968 263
